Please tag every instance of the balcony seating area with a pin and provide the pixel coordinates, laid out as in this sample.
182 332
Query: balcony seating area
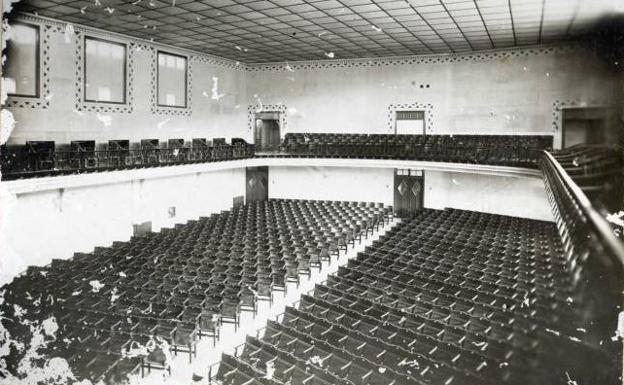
447 297
598 170
500 150
46 158
162 292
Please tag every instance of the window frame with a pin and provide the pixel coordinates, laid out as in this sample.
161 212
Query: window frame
125 71
186 74
37 64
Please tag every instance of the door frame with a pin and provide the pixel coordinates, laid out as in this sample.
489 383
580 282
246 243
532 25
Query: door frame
417 174
604 118
255 169
424 111
269 115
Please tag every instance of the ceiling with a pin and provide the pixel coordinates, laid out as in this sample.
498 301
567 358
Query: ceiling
283 30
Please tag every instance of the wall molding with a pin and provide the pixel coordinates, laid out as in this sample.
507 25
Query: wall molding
427 107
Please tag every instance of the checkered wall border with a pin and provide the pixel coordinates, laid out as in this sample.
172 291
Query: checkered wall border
164 110
43 101
427 107
81 104
252 109
560 104
414 60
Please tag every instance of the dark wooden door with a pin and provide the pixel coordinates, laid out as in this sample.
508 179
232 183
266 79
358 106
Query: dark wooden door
408 192
267 135
257 184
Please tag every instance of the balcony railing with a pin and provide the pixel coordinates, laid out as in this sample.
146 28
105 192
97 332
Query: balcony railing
594 256
19 163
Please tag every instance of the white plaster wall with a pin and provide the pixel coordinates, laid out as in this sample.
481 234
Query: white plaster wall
518 197
56 223
61 122
521 197
332 183
512 95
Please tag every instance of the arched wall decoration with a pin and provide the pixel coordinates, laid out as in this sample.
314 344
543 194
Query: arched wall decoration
252 109
427 107
164 110
497 54
81 104
43 101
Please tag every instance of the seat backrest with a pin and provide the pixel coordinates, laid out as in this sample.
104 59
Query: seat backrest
82 145
175 143
118 145
219 142
149 144
239 142
40 146
199 143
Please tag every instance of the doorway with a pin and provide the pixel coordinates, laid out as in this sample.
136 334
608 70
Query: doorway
267 131
584 126
410 123
257 184
408 192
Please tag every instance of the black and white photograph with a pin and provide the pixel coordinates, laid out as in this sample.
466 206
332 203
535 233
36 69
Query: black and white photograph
312 192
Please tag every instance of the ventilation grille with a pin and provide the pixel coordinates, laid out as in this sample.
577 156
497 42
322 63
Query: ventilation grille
410 115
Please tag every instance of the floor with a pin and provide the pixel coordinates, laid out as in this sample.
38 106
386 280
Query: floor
208 356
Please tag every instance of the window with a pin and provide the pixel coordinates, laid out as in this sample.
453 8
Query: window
410 122
22 71
105 71
172 73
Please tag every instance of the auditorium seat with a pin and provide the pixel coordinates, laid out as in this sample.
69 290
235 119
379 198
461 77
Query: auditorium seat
150 152
41 155
44 158
83 154
167 290
38 158
118 153
447 297
177 152
501 150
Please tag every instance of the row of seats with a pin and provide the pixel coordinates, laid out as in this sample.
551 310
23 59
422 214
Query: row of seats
45 158
161 292
502 150
448 297
598 170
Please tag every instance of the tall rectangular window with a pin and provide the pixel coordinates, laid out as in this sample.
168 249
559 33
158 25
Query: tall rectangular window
172 73
105 71
22 70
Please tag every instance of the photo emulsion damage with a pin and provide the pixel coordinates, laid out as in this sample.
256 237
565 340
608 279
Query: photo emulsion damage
327 192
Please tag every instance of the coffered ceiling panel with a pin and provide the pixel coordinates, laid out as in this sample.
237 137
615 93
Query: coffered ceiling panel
282 30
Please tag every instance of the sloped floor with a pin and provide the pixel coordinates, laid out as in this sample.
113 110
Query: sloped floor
208 356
